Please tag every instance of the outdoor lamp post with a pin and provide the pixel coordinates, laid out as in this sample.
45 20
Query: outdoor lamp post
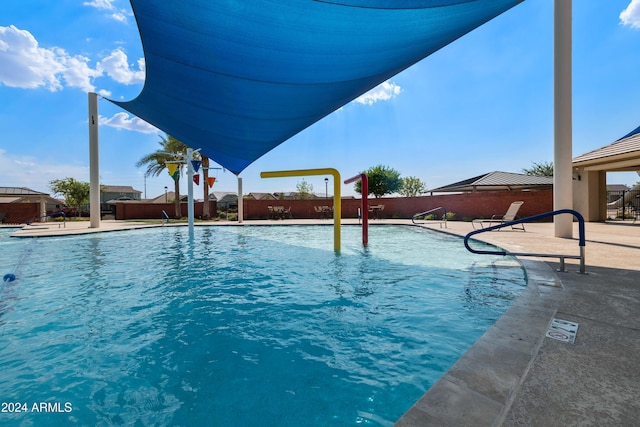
326 188
165 194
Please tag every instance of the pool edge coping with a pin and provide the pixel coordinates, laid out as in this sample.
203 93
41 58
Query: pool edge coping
481 386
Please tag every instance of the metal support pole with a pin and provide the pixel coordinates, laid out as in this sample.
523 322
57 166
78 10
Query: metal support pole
240 204
562 160
94 163
187 160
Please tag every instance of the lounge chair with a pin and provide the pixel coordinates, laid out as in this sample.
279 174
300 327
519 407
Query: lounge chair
287 212
499 219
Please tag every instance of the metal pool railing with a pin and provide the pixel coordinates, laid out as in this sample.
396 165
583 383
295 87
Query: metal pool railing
444 216
562 257
52 215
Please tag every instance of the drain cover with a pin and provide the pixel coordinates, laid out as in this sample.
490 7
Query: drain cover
562 330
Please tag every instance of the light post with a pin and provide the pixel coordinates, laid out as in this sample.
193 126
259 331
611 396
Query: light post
326 188
165 194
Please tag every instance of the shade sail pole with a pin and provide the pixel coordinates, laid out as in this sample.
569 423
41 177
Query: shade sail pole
94 163
187 159
240 201
562 92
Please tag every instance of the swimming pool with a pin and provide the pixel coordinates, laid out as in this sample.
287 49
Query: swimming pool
239 325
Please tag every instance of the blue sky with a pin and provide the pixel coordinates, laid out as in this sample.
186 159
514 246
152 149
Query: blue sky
483 103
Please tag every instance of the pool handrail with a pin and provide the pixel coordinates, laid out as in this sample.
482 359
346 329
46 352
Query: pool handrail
164 217
444 216
562 257
52 214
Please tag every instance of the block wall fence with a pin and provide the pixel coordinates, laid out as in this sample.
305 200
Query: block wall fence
465 206
18 213
154 210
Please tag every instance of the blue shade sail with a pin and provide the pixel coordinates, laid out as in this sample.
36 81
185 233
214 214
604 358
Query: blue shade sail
630 134
236 78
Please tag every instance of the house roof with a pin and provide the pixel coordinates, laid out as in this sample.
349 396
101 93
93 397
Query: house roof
20 191
617 187
261 196
621 155
218 195
494 181
120 189
237 79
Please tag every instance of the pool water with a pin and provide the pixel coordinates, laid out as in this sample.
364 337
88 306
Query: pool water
241 326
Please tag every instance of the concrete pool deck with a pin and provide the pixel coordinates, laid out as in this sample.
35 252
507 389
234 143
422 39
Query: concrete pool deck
514 375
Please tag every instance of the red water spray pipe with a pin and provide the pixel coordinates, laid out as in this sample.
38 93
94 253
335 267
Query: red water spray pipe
365 205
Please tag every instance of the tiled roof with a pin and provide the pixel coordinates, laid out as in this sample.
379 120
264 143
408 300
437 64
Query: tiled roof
625 147
20 191
497 181
120 189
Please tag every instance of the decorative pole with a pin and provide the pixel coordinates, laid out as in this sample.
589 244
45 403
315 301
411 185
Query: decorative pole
94 163
240 204
365 204
187 160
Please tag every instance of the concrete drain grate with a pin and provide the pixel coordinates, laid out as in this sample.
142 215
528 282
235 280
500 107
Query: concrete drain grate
562 330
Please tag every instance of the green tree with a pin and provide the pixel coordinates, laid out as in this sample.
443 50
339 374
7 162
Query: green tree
382 180
171 150
540 169
75 193
412 186
304 189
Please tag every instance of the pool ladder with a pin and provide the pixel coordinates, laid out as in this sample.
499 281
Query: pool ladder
444 216
562 257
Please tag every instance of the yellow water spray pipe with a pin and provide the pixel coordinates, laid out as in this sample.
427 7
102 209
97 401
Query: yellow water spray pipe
337 207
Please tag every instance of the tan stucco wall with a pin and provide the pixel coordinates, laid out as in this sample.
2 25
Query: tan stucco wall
590 194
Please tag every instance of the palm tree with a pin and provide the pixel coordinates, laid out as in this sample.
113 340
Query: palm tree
171 150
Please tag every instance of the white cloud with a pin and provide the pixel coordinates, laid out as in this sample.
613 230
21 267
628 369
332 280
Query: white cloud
116 66
100 4
36 173
120 16
122 121
26 65
77 73
631 15
107 5
383 92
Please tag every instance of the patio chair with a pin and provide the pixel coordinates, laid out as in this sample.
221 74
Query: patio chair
510 215
287 212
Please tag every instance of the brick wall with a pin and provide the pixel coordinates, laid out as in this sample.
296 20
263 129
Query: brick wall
465 206
154 210
18 213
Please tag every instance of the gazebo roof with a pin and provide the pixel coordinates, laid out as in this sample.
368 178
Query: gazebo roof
621 155
20 191
494 181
